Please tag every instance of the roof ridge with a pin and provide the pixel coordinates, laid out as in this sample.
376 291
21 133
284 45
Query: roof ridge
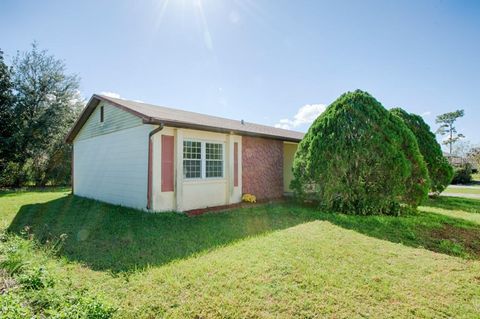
119 100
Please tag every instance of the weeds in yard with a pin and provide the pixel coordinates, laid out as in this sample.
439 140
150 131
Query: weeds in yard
29 291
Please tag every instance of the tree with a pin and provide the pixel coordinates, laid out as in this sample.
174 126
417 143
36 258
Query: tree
6 112
474 156
359 158
439 170
447 127
46 103
462 149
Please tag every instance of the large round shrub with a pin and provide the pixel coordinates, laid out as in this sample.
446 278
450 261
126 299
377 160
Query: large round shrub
439 170
359 158
462 174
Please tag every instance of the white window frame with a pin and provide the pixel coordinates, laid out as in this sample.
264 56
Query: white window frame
203 160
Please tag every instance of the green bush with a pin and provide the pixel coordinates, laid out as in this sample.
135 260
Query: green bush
359 158
439 170
463 174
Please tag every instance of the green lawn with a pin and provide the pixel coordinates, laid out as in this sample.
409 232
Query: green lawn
463 190
278 260
476 177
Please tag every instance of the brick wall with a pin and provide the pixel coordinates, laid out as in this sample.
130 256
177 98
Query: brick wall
262 167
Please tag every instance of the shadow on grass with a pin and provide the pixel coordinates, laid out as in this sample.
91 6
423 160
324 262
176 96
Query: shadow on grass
109 237
114 238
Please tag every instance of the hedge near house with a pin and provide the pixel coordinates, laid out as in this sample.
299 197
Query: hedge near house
359 158
439 170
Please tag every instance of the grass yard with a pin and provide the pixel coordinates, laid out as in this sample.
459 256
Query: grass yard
475 190
476 177
276 260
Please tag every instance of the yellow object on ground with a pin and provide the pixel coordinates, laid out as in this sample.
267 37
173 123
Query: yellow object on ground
249 198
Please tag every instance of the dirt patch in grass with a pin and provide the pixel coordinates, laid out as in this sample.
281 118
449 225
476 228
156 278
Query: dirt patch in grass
6 282
456 240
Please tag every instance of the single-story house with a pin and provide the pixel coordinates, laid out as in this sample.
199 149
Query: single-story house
455 160
163 159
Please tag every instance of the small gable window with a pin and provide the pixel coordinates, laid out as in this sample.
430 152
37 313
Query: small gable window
101 114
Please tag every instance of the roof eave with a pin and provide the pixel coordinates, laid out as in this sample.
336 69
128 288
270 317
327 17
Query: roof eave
219 130
96 99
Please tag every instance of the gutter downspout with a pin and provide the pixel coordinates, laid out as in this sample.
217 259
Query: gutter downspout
150 164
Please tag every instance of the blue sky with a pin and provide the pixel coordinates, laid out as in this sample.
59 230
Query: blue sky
263 61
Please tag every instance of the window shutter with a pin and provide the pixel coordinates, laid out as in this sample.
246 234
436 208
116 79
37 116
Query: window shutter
235 164
167 163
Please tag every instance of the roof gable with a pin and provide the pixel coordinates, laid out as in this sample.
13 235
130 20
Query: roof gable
152 114
115 119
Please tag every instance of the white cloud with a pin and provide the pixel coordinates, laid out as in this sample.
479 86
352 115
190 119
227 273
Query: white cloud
426 113
305 115
111 94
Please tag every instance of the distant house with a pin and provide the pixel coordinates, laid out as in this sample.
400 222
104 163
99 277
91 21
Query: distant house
163 159
457 161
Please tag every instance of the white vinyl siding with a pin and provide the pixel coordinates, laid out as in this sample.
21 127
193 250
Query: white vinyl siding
113 167
114 119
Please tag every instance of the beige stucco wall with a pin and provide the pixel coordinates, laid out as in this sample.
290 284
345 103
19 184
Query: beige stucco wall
198 193
289 150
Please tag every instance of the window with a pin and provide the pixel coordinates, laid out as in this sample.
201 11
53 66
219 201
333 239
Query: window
202 159
192 159
213 160
101 114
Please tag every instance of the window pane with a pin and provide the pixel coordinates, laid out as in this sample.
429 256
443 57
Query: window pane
214 160
214 169
192 164
213 151
192 150
192 169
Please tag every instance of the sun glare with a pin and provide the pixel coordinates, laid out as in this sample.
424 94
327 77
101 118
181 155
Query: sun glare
178 7
200 12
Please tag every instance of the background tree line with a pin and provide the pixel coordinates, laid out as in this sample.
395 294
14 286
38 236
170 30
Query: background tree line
39 102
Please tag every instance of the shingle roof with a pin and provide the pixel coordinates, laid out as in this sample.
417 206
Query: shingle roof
153 114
